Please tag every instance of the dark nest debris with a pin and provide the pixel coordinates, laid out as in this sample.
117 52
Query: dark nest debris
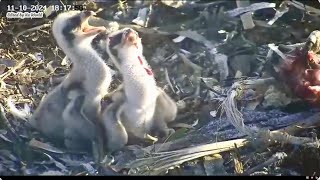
235 116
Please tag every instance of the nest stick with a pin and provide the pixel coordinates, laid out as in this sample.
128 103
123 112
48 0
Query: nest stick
163 160
168 79
6 121
189 153
189 63
310 122
8 73
32 29
275 158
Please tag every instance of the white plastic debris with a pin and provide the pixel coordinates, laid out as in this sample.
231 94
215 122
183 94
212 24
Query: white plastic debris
276 50
39 56
65 61
253 7
142 17
222 61
213 113
21 114
174 3
246 18
117 14
197 37
178 39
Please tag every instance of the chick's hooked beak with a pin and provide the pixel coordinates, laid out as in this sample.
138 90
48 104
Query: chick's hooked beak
131 36
87 29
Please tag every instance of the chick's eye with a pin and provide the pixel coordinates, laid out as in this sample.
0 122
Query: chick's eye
77 29
125 33
124 36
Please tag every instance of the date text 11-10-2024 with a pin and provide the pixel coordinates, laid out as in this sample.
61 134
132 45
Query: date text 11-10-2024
40 8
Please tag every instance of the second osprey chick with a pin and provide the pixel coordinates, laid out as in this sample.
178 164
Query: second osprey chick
146 109
140 87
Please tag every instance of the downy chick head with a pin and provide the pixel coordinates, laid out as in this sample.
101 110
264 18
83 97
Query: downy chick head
71 26
130 41
131 37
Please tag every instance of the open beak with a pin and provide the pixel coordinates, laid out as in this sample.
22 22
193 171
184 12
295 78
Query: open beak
86 29
120 37
131 37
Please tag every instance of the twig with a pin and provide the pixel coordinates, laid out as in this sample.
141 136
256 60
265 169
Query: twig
6 121
44 146
275 158
283 138
189 63
161 166
310 122
199 148
255 83
168 79
304 7
163 160
8 73
283 8
203 4
32 29
238 165
234 116
289 48
229 105
315 144
275 49
149 15
236 119
160 161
